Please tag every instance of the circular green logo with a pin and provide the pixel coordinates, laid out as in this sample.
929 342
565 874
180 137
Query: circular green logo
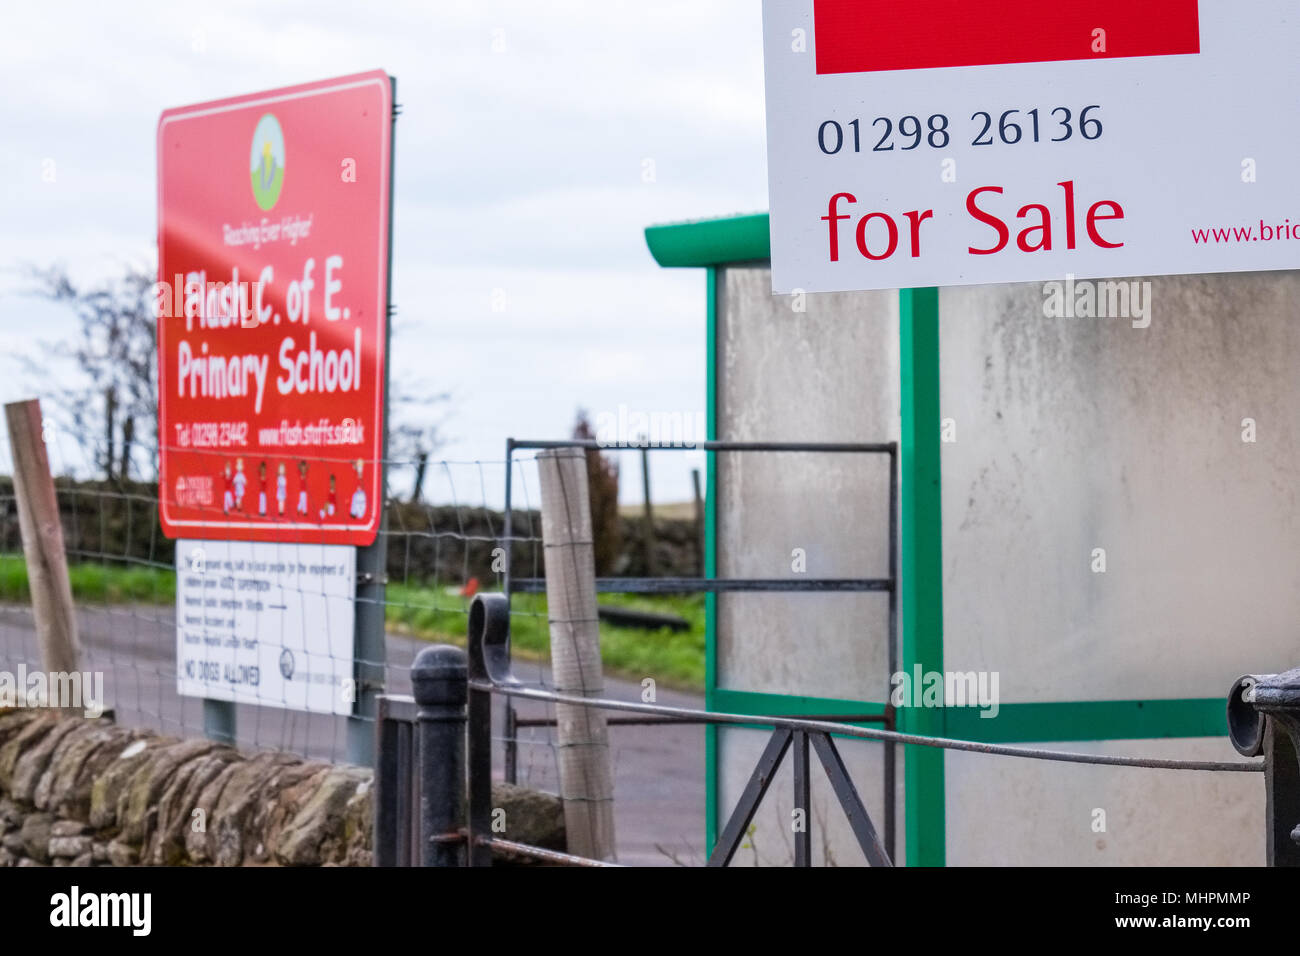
266 161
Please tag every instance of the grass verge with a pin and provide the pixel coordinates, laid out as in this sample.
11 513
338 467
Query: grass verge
674 659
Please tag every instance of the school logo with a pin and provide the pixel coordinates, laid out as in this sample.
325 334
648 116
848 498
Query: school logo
266 161
286 664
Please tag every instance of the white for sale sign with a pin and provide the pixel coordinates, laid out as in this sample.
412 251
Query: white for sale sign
266 623
948 142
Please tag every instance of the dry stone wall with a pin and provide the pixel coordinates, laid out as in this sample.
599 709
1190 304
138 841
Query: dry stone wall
86 792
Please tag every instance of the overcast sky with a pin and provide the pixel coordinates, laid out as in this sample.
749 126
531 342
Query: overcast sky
521 154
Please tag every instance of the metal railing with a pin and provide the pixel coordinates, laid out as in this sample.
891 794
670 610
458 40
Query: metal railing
451 731
1264 718
714 585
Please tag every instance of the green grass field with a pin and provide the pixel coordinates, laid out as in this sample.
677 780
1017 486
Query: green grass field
675 659
95 583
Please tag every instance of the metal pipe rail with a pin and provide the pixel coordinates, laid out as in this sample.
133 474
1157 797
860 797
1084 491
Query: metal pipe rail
812 725
715 585
554 857
852 448
650 721
452 735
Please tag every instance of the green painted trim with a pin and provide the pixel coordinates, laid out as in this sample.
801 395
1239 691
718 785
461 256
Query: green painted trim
710 242
776 705
1058 720
1090 720
710 562
921 570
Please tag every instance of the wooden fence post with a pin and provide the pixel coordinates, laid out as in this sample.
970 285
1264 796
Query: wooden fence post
38 520
586 773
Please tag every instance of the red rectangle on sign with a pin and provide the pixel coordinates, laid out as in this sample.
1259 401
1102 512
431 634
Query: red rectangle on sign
272 306
864 36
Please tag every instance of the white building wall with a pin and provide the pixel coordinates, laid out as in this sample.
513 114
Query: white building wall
1075 434
1072 434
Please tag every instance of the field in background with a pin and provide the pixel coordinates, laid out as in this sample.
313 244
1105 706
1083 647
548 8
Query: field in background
669 511
675 659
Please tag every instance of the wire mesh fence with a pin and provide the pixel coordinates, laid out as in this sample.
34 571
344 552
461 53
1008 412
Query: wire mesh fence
442 546
440 550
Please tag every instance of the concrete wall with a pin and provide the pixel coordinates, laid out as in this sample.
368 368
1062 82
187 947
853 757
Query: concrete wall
1072 434
829 373
1008 811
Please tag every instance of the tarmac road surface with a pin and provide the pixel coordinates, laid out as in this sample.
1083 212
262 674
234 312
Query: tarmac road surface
658 771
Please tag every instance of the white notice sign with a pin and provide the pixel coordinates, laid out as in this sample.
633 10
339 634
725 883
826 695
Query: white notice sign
266 623
949 142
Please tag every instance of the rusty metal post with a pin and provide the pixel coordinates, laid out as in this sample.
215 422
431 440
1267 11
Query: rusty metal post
489 656
1264 718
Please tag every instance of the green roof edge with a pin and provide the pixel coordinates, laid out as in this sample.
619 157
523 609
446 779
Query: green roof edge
710 242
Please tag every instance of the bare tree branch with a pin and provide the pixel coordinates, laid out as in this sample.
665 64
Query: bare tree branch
113 416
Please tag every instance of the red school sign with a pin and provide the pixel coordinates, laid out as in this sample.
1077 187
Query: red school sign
273 237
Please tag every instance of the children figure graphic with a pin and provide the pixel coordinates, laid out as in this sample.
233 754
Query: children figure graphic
240 482
358 508
328 510
227 496
302 488
281 488
261 489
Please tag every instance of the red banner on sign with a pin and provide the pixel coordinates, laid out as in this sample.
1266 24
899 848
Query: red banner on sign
863 36
273 222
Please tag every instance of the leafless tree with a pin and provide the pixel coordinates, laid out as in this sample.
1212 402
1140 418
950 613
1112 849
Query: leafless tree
415 429
113 412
